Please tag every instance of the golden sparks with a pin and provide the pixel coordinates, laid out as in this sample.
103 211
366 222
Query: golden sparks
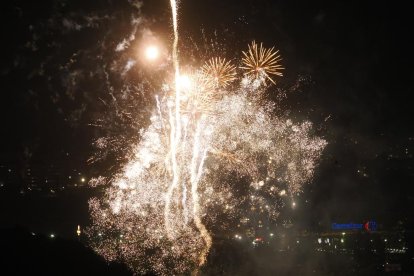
259 62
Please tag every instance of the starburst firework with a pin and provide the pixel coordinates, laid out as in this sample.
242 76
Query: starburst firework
262 62
218 72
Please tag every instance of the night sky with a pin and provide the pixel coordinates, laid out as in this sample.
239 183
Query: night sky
349 69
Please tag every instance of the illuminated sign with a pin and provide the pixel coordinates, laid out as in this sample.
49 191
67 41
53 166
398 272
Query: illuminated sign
368 226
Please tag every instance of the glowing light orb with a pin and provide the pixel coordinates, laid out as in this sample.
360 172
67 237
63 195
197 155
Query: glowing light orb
152 53
184 82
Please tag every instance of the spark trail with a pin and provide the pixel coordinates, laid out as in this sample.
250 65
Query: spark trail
177 143
175 123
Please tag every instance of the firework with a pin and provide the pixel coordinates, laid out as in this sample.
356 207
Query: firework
158 212
262 62
218 72
166 230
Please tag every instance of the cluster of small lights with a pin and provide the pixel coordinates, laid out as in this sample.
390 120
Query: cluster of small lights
238 237
397 250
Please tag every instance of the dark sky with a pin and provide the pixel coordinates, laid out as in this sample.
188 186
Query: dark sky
351 64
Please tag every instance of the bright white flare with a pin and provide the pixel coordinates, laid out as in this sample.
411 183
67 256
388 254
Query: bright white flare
184 82
152 53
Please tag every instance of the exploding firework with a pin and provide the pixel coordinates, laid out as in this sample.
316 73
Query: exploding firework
158 213
218 72
262 62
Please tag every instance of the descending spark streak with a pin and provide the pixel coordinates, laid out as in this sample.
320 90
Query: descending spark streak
176 67
159 110
175 175
175 127
176 144
196 172
196 210
184 203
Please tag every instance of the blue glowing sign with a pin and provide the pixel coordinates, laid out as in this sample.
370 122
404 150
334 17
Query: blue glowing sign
369 226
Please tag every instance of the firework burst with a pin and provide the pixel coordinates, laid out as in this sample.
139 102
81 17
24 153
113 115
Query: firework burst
262 62
158 212
218 72
155 225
